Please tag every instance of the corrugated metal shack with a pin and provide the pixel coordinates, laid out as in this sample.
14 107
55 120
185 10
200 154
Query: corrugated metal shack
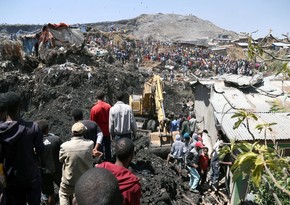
216 101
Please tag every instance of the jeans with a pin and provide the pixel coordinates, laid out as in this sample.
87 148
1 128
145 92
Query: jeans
106 146
215 172
194 177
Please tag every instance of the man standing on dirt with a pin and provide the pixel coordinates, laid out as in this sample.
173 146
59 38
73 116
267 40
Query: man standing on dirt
76 157
21 145
100 114
177 153
128 183
50 164
192 161
185 127
215 161
93 132
122 122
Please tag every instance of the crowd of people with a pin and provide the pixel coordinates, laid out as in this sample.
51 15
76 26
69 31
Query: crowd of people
35 163
189 152
182 58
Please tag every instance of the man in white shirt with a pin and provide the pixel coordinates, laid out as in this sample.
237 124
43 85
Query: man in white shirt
122 122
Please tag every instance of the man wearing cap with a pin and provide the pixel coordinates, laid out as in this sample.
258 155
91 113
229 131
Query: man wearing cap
192 160
177 152
76 156
187 145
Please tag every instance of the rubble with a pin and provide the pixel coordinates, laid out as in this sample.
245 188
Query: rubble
68 78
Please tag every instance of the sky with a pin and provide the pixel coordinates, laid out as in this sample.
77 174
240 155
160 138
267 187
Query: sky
246 16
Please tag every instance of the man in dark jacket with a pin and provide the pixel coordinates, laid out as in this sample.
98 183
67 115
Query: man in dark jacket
128 183
22 144
50 164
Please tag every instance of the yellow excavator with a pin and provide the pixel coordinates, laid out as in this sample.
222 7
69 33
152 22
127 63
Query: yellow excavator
148 109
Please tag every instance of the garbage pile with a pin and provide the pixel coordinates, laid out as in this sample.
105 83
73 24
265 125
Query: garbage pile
68 78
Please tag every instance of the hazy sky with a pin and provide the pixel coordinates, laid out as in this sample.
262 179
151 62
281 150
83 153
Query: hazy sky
236 15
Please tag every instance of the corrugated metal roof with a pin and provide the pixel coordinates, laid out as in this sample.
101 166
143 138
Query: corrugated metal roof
230 99
279 44
280 131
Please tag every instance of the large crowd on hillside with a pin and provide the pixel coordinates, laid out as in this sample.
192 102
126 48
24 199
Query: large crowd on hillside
177 57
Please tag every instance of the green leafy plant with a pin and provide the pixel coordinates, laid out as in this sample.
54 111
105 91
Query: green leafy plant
255 161
242 116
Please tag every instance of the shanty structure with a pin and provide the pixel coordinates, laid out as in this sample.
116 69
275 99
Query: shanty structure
216 101
52 35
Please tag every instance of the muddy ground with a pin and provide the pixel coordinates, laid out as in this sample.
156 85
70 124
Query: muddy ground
52 89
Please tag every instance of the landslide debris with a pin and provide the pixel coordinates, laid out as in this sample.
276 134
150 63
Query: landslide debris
68 78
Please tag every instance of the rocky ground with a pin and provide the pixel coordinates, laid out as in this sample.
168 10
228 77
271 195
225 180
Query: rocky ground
51 89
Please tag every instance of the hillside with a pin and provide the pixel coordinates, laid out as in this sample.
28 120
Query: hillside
167 27
162 27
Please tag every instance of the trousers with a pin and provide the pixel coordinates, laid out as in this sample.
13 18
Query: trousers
194 177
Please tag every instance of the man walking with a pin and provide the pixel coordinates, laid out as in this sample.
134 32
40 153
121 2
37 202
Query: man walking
177 153
121 119
76 156
192 160
100 114
21 145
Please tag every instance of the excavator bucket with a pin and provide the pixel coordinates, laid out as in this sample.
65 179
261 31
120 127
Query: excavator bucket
160 143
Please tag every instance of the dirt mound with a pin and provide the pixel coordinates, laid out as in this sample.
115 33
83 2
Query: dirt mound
160 27
167 27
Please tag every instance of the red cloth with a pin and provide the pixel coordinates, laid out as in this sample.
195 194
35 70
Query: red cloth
203 161
129 184
100 114
59 25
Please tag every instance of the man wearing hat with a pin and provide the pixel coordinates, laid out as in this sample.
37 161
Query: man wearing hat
192 160
76 156
177 152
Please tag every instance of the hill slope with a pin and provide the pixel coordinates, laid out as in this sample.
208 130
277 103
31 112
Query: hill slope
161 27
166 27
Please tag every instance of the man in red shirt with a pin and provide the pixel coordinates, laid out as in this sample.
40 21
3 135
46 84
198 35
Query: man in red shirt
100 114
129 184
